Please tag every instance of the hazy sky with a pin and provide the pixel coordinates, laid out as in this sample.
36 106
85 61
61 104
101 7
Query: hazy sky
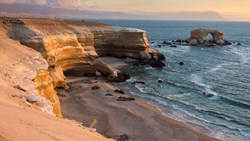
231 9
228 8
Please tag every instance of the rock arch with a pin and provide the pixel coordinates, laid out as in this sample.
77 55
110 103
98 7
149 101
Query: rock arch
198 37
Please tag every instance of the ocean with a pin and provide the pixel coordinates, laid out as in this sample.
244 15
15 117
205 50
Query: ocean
211 91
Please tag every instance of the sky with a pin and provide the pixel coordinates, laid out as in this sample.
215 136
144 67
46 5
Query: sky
228 8
231 9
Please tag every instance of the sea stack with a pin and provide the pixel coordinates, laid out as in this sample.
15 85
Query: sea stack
198 38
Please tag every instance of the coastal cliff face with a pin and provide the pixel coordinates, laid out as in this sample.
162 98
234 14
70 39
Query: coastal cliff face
74 48
68 47
27 89
122 42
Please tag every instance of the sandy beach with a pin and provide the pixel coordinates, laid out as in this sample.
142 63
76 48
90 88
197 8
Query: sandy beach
95 102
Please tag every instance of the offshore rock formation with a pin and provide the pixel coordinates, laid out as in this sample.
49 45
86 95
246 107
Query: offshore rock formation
198 37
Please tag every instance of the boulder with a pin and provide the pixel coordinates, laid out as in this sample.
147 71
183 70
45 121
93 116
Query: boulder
121 77
125 98
156 60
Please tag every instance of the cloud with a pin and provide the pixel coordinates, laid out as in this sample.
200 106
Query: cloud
70 4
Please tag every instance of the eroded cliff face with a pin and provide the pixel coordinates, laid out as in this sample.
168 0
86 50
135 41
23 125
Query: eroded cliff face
66 46
122 42
74 48
27 71
44 86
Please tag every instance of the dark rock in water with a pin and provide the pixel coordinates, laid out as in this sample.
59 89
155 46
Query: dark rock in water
139 82
125 98
226 42
160 80
123 137
156 62
108 94
152 42
161 57
207 94
178 41
173 46
238 44
158 45
95 88
121 77
181 63
166 43
204 93
119 91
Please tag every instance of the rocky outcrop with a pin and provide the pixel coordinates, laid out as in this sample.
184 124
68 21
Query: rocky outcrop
121 42
73 48
68 47
198 37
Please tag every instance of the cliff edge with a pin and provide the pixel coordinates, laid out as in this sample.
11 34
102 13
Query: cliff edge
38 55
28 95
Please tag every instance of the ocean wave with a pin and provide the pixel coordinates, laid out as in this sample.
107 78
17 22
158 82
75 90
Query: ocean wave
244 59
175 84
193 118
229 118
182 95
131 80
216 68
197 79
189 118
235 102
243 54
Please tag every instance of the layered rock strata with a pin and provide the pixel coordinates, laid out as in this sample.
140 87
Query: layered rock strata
122 42
26 71
74 48
67 47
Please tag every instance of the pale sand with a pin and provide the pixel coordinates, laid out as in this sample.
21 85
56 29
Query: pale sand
138 119
22 124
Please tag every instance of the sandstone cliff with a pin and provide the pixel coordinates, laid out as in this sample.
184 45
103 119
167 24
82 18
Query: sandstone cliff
121 42
26 70
26 86
73 48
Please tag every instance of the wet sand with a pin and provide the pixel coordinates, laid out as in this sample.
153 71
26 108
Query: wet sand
93 102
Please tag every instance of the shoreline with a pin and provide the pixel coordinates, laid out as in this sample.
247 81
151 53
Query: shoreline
138 119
